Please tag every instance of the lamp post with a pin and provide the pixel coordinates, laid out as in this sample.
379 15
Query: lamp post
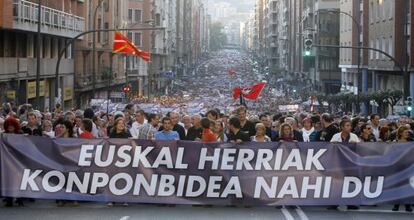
94 47
357 24
39 41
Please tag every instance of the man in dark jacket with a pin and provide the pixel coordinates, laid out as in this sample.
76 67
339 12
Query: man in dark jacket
236 134
32 127
246 126
329 128
196 130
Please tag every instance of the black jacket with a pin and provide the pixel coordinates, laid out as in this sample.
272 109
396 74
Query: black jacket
35 132
194 133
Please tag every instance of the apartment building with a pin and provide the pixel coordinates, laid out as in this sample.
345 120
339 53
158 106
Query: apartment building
61 20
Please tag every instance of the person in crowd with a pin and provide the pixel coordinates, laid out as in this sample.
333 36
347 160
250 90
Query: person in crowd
129 115
375 125
70 116
186 123
385 134
367 133
167 134
65 129
175 118
260 134
345 136
286 133
294 124
139 122
264 119
119 129
355 125
77 125
236 135
148 130
194 133
88 113
207 135
246 125
32 127
309 133
47 129
212 114
219 131
86 128
403 135
1 125
12 126
329 128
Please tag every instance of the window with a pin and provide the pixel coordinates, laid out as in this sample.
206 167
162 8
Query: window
130 15
378 46
138 16
158 20
372 13
129 35
106 34
138 39
371 52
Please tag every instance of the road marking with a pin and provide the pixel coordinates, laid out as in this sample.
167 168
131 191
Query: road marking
301 214
287 214
124 218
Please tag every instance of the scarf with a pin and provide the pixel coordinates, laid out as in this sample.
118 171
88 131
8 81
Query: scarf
306 134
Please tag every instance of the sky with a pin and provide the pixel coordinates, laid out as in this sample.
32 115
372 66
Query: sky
241 5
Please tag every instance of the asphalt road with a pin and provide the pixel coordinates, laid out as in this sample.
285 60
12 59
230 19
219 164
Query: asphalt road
47 210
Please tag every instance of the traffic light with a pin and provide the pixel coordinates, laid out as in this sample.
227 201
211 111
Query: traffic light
126 89
409 104
308 47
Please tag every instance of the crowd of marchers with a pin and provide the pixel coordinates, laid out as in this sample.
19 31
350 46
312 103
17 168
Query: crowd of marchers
213 126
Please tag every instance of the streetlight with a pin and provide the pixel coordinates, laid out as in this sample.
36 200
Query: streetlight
39 41
359 34
94 47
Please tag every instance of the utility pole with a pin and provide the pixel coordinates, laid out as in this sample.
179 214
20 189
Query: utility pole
38 54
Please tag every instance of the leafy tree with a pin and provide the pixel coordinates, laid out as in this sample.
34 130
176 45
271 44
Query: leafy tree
217 37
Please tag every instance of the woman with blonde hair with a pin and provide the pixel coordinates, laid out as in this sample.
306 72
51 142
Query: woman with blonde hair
260 134
403 135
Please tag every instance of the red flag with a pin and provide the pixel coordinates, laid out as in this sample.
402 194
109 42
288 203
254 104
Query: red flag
250 92
123 45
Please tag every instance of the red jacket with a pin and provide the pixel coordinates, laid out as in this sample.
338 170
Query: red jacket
208 136
86 135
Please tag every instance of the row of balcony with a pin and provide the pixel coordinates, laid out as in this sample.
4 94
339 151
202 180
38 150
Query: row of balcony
53 21
24 68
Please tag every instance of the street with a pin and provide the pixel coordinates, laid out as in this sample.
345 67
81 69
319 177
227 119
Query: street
47 210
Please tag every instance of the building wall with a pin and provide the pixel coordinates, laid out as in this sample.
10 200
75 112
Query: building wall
18 50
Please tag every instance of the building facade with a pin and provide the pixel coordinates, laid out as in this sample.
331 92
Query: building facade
61 20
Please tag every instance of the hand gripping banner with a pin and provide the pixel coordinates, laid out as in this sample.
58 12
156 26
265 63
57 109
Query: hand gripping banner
140 171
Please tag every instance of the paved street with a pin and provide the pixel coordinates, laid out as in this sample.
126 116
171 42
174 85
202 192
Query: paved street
46 210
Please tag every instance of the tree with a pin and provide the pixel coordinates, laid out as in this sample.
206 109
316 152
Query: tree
217 37
392 98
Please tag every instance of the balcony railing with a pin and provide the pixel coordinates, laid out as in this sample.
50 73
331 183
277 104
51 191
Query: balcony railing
27 12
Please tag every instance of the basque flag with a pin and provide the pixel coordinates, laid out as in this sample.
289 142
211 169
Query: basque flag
250 92
123 45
